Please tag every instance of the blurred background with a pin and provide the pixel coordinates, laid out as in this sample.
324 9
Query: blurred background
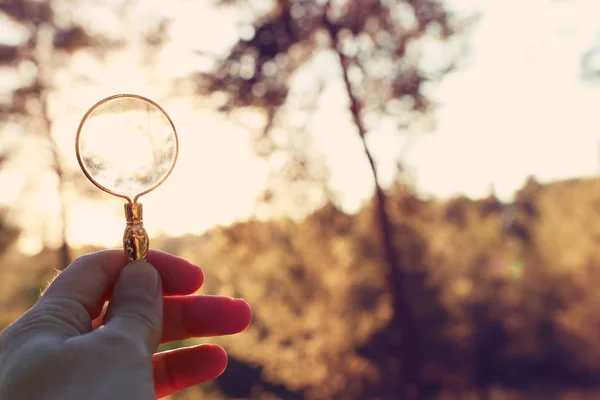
405 191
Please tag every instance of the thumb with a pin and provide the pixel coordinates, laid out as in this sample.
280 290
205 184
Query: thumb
135 308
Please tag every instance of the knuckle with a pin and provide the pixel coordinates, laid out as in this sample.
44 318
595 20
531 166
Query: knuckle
4 336
124 342
17 330
116 338
145 320
67 312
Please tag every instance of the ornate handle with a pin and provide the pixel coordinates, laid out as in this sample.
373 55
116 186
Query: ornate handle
135 237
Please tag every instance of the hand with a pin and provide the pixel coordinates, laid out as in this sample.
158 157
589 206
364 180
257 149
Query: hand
69 347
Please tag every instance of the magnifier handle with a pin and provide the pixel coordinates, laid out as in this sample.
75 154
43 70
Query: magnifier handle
135 237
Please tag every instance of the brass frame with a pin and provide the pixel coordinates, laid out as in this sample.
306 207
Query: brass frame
80 160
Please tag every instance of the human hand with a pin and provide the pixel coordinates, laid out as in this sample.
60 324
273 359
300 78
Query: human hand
69 347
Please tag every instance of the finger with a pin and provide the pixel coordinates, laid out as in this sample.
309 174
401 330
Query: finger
135 308
185 317
88 279
177 369
178 276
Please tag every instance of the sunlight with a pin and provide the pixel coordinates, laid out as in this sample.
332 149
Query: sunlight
111 139
125 148
216 181
30 245
97 223
497 144
327 159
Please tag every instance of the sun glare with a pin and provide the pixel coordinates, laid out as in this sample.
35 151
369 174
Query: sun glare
486 132
127 151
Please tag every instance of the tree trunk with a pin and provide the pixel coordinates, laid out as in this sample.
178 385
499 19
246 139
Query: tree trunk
403 319
42 62
65 249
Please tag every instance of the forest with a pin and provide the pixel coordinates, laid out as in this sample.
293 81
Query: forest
323 310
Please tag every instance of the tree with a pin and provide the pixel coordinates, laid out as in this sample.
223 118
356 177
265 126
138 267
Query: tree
28 106
383 51
50 35
8 232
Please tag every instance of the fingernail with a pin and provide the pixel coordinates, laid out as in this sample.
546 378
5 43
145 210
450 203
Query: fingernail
141 278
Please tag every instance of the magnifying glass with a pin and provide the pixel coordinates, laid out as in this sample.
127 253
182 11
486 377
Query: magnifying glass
127 146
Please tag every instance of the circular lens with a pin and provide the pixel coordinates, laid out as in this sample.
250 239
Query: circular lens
127 145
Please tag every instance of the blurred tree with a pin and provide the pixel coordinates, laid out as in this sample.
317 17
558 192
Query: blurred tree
8 233
319 309
33 59
45 37
386 54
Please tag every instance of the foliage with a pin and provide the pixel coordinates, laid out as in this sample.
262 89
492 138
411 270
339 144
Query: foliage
383 41
381 57
321 303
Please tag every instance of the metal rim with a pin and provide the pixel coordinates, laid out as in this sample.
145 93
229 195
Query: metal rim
80 160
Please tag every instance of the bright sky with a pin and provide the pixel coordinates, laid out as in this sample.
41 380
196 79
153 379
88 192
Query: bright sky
518 108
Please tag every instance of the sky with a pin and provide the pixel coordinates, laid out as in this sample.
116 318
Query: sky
516 108
520 108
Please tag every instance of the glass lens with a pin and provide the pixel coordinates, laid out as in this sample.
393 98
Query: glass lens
127 145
